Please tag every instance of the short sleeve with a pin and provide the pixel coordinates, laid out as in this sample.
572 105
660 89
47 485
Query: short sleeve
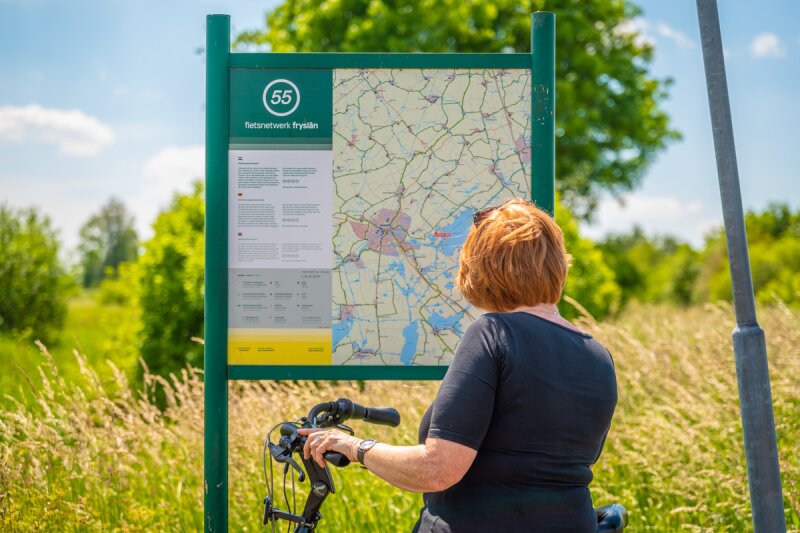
464 404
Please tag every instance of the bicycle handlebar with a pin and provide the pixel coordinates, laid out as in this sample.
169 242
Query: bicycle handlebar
323 415
383 416
332 413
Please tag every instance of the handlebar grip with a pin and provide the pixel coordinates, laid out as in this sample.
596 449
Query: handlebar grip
384 416
354 410
336 459
347 409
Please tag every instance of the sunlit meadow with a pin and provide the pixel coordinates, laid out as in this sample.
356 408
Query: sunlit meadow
92 454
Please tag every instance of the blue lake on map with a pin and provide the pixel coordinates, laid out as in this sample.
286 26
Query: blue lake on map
447 322
411 336
397 266
341 330
458 230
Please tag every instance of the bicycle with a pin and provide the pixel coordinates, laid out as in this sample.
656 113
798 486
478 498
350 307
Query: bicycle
610 518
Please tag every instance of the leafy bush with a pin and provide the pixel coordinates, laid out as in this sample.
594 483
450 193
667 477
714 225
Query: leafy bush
170 286
590 281
773 238
122 287
652 270
33 283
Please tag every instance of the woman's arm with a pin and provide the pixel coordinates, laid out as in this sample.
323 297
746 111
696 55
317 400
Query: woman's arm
431 467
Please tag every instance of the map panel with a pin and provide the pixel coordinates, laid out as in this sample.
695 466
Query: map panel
416 153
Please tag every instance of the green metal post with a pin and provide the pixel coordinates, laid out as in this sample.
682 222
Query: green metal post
543 113
218 38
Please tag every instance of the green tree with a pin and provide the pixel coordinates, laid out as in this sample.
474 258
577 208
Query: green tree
33 283
108 238
773 238
609 124
590 282
170 276
652 270
629 275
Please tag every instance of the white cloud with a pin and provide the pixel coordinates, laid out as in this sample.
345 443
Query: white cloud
171 170
645 32
656 215
767 45
72 131
175 163
635 207
638 27
68 202
676 36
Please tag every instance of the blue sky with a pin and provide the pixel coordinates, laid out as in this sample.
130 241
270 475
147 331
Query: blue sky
102 98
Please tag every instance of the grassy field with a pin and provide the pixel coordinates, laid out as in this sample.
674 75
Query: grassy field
98 332
92 454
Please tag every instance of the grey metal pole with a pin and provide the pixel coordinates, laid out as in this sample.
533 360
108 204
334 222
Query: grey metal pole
749 345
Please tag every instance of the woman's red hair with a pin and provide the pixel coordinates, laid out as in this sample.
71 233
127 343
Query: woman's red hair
513 257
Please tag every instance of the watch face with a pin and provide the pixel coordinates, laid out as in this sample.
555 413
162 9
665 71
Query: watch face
364 447
367 444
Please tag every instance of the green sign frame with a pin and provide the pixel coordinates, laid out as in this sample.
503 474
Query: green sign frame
221 62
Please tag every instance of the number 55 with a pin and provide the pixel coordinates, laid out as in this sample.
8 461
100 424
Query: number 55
281 96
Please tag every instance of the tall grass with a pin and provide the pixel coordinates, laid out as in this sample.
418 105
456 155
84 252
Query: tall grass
93 456
99 331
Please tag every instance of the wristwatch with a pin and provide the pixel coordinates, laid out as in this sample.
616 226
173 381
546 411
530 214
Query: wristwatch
363 448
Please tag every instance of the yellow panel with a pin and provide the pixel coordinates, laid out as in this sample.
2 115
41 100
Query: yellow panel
269 332
281 349
326 336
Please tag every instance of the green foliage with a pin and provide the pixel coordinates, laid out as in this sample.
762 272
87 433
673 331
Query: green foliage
107 239
773 238
122 288
102 332
665 270
170 286
33 283
659 270
590 282
609 124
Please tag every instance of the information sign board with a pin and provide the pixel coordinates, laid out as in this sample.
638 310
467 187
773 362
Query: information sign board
350 192
339 189
280 237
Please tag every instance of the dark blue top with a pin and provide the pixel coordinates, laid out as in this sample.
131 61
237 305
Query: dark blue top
535 399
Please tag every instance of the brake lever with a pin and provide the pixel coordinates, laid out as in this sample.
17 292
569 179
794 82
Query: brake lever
283 455
346 429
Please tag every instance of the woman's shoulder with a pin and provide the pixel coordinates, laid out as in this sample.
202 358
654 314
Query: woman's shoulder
526 330
529 321
492 325
491 334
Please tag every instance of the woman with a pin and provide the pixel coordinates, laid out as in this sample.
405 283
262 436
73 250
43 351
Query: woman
525 406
